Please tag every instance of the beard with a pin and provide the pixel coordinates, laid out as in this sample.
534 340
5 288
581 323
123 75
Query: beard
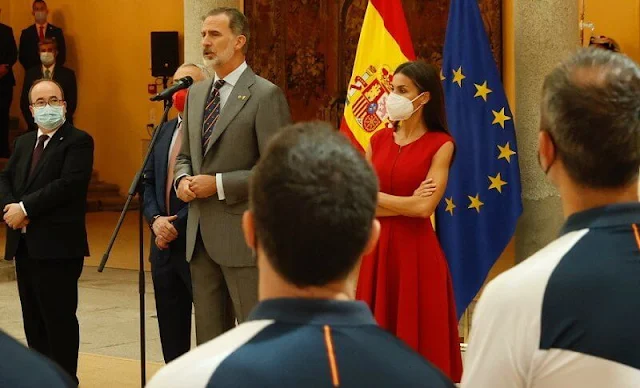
220 59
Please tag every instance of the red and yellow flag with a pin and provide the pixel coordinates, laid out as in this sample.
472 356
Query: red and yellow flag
384 44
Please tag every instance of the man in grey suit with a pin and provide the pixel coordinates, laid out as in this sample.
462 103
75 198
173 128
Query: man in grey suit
228 121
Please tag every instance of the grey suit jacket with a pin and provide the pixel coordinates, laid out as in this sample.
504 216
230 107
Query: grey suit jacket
255 111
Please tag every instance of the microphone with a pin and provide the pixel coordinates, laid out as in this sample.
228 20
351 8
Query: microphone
182 83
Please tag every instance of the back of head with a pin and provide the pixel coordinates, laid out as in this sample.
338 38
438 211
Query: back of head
591 110
313 199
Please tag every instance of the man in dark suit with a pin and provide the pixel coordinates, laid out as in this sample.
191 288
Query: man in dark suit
43 191
167 217
49 68
8 56
30 36
228 121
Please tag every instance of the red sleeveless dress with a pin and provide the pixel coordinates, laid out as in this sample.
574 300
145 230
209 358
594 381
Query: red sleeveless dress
406 279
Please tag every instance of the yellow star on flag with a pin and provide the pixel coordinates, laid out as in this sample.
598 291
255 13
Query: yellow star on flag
458 76
475 202
450 205
442 77
497 183
500 117
506 152
482 91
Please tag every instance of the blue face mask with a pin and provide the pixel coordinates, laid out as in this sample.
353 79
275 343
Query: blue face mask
49 117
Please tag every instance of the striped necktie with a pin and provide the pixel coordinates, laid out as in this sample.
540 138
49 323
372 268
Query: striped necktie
211 114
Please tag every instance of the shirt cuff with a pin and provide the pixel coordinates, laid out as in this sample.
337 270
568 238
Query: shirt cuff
175 181
220 187
23 209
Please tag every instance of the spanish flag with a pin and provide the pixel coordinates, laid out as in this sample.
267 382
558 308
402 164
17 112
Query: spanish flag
384 44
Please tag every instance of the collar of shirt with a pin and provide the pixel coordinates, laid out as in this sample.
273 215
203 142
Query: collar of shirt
50 134
179 118
314 312
49 68
42 25
604 217
232 78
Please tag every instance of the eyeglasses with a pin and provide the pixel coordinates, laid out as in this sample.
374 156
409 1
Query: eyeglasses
53 101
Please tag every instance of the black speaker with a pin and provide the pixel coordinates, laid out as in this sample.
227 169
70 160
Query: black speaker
165 57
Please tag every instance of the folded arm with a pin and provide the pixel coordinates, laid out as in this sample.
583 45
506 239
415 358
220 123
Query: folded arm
415 205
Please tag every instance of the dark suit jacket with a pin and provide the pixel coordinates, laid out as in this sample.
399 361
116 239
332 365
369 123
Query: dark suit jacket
155 177
54 196
62 75
8 55
29 52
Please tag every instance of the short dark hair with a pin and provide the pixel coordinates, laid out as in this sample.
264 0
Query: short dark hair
238 22
591 109
41 80
426 77
313 197
36 2
48 41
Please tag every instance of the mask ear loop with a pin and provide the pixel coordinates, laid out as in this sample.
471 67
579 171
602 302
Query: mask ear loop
254 252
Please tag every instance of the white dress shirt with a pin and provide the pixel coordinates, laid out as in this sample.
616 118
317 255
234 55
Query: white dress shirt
175 135
50 68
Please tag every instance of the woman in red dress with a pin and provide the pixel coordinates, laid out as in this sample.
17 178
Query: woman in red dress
406 280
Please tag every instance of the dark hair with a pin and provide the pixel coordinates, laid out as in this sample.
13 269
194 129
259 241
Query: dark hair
48 41
39 81
591 109
238 22
604 43
426 77
36 2
314 198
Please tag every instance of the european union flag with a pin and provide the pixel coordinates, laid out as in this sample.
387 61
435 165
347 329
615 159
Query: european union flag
482 202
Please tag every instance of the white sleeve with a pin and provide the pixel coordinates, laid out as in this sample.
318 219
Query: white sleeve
220 187
501 343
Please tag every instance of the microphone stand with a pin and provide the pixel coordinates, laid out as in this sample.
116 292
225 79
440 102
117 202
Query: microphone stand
137 187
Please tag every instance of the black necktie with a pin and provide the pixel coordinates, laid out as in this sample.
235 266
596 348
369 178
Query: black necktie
37 153
211 114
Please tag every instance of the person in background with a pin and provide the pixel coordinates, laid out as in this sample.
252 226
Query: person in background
36 33
406 279
311 218
568 315
49 68
167 217
8 56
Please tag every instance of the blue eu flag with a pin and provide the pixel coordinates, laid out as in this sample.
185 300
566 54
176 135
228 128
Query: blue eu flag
482 202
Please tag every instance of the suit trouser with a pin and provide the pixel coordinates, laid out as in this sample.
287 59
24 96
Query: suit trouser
48 290
172 288
6 96
213 286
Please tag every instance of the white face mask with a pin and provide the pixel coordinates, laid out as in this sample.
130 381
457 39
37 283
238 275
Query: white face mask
47 59
399 107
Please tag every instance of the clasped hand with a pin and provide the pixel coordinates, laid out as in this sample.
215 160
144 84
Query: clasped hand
15 217
199 186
